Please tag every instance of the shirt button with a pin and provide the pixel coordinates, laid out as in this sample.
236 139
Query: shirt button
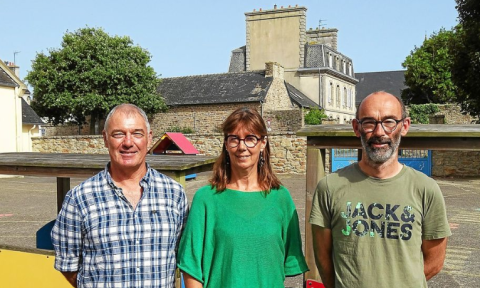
137 241
138 269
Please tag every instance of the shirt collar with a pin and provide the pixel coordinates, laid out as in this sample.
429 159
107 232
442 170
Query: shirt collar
144 182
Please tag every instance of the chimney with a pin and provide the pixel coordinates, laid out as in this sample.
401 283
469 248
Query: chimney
325 36
275 70
15 69
267 30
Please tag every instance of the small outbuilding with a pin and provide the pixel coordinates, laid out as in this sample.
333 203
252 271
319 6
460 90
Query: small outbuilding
174 143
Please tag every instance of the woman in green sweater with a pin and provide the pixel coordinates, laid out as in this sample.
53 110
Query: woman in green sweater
242 230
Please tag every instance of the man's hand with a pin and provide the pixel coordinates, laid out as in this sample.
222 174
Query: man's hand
322 247
433 256
71 277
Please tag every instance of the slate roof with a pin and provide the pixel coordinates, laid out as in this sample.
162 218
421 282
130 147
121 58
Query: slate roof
6 80
392 82
28 115
299 98
215 88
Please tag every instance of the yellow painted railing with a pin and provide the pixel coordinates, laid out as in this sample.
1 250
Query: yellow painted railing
26 270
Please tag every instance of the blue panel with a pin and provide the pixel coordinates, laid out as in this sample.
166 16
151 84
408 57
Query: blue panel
420 160
43 236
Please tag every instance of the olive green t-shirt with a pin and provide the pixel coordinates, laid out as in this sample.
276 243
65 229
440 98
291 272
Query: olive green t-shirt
378 225
241 239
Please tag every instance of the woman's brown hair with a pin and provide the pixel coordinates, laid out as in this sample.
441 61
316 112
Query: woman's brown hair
251 120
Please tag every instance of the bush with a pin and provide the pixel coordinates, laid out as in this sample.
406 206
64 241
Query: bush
315 116
419 113
184 130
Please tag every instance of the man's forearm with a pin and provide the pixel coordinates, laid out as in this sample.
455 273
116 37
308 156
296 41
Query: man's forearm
71 277
434 252
322 246
327 273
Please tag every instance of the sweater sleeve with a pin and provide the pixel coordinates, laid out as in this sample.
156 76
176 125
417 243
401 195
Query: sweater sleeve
294 259
190 253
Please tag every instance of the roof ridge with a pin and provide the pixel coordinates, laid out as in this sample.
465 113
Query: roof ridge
225 73
381 71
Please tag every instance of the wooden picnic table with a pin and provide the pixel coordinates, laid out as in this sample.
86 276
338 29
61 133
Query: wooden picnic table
66 165
419 136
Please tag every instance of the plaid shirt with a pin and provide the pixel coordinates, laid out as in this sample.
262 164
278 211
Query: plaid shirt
110 244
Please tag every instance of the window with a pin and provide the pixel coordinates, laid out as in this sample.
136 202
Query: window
330 60
330 93
349 99
344 97
352 99
338 96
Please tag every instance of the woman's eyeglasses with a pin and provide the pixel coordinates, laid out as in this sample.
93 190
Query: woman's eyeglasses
250 141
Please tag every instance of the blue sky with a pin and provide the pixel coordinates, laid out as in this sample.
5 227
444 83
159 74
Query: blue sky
197 37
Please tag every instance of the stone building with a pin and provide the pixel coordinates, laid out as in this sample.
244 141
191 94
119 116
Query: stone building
200 103
310 58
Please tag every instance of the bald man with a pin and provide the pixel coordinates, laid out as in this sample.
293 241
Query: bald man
378 223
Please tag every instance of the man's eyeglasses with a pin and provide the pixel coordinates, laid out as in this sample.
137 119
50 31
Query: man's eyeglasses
369 125
250 141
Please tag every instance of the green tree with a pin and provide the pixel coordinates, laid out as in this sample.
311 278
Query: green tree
466 66
428 73
315 116
90 74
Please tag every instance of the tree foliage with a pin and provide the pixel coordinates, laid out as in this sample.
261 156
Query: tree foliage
428 73
90 74
315 116
466 66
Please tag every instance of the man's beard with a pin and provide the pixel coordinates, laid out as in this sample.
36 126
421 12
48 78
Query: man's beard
380 155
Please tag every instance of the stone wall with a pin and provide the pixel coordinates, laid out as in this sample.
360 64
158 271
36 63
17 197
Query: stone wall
87 144
282 123
288 150
456 163
70 129
199 118
453 115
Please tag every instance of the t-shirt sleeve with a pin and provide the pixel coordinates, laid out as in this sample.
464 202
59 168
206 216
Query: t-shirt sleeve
320 213
435 223
190 252
294 259
67 236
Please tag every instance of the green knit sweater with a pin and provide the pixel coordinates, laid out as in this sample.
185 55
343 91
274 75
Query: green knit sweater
242 239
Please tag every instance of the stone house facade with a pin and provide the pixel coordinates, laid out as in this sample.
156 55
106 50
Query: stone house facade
311 60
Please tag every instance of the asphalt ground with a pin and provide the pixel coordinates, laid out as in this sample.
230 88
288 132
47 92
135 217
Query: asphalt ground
28 203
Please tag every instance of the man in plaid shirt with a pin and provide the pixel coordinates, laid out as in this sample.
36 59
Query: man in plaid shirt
120 228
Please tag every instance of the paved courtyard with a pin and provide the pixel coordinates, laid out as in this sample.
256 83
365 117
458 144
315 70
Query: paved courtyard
28 203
